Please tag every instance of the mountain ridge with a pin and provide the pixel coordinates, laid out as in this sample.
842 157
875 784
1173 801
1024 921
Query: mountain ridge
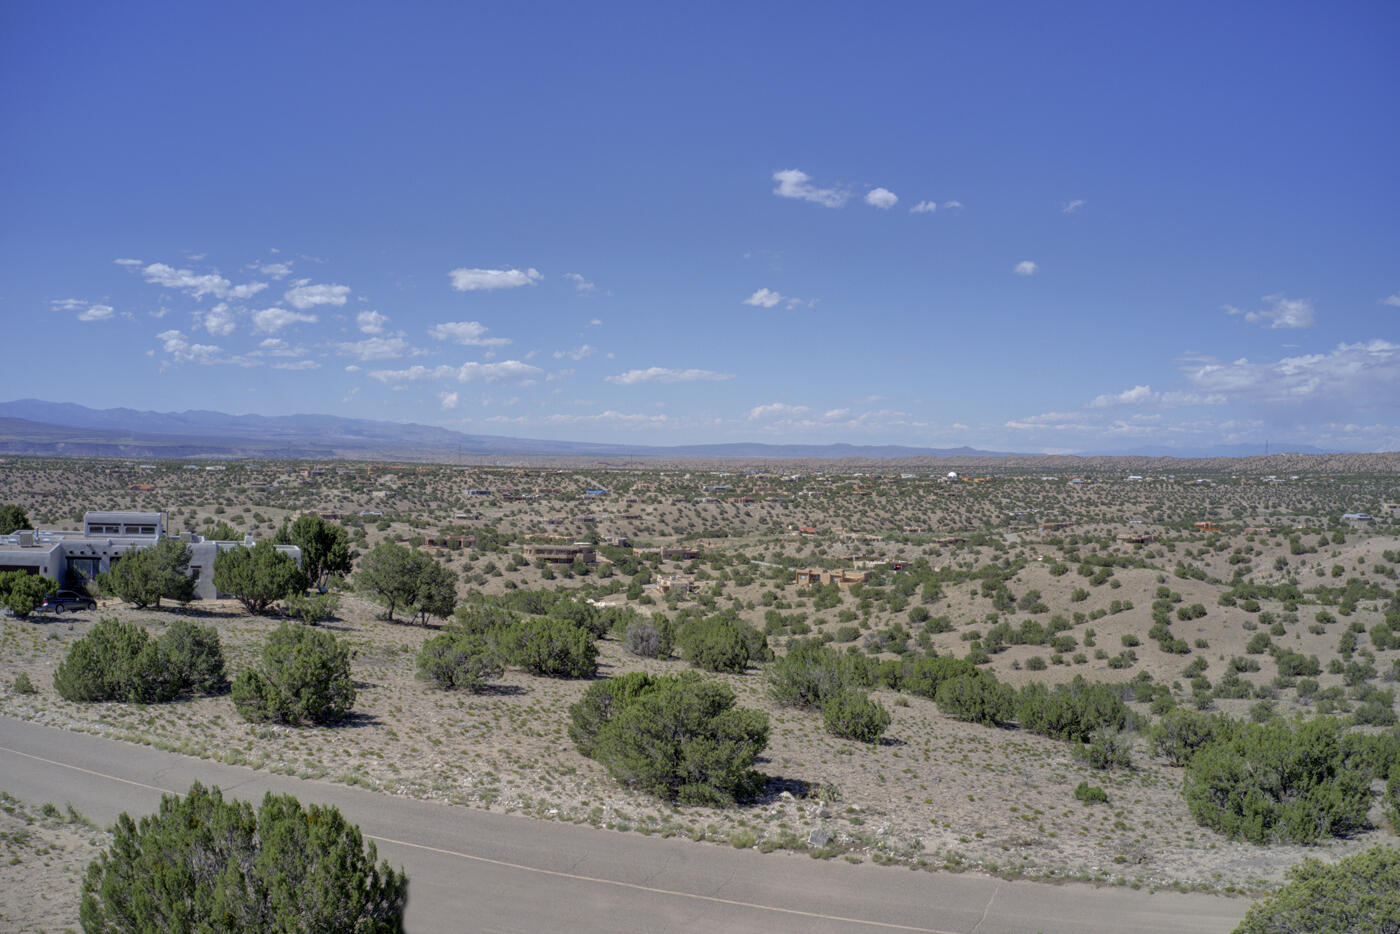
38 427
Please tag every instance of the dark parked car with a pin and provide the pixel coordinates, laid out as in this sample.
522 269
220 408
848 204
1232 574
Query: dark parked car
67 600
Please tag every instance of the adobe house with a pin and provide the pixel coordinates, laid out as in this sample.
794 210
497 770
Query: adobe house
75 557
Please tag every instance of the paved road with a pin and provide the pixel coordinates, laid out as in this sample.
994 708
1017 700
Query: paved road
472 870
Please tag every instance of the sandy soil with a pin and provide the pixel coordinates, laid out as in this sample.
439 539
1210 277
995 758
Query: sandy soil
43 853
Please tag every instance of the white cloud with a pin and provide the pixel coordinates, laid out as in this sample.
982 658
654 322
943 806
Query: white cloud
374 348
1284 313
505 371
793 183
1026 268
657 374
621 419
219 320
924 207
1136 395
272 320
199 285
275 270
580 283
182 351
1070 207
472 280
512 371
297 365
87 311
448 400
1351 376
578 353
776 409
467 333
276 347
96 313
304 295
127 262
1145 395
836 413
881 198
245 291
595 322
371 322
1393 301
952 205
764 298
352 368
414 374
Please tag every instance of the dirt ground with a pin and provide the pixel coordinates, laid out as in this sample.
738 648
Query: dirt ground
44 851
937 793
951 794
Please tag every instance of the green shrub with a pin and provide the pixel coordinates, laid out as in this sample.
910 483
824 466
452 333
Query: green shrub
459 660
143 578
1392 796
404 577
23 685
554 648
1181 732
1271 782
681 739
810 672
193 657
1358 893
1073 711
313 608
258 576
1090 794
121 662
715 644
854 715
305 678
22 592
1108 749
601 701
645 639
203 864
977 697
923 675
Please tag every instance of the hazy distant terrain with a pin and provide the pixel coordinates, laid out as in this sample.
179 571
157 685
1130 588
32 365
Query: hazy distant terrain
37 428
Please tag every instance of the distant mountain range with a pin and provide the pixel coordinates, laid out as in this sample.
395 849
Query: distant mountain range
35 427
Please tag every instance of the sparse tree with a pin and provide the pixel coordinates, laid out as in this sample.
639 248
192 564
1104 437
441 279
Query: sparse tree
13 519
403 577
22 592
258 576
1358 893
325 547
143 578
203 864
305 678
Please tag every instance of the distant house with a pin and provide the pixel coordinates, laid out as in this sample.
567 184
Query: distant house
72 557
843 578
1357 517
560 554
599 492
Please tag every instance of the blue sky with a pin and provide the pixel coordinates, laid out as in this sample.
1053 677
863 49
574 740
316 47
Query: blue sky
1017 226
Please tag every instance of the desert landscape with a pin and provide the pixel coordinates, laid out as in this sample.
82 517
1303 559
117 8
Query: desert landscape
1034 575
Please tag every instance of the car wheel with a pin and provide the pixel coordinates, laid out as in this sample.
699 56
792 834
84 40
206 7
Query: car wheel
92 606
58 609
